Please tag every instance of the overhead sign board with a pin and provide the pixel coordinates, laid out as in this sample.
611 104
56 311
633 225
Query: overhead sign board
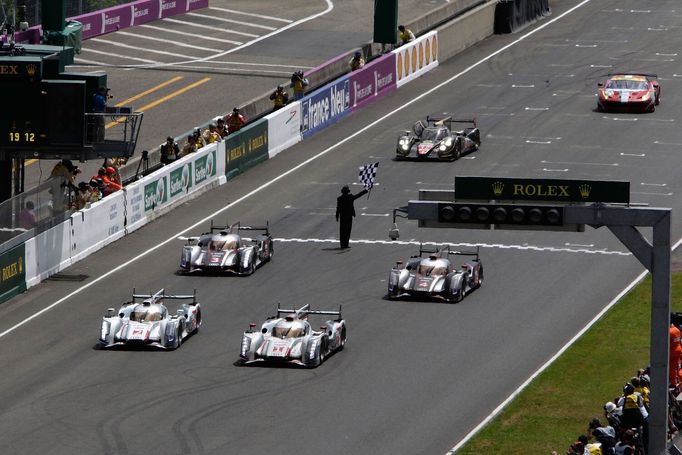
552 190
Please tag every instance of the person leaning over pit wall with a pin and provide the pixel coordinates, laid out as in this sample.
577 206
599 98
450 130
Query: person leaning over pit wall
405 35
235 120
299 83
356 62
279 98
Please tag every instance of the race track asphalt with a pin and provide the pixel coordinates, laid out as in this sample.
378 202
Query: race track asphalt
415 377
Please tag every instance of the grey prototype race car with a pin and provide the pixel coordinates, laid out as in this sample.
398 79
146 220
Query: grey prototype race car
291 339
435 139
223 249
149 323
436 276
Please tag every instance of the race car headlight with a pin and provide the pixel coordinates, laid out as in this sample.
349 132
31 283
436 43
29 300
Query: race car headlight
448 142
646 95
246 344
402 141
405 146
104 332
311 349
442 147
170 332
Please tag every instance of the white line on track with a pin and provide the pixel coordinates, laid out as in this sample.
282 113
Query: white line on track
287 21
579 163
632 154
651 194
653 184
554 170
209 27
231 21
193 35
127 57
569 248
168 42
330 6
224 62
128 46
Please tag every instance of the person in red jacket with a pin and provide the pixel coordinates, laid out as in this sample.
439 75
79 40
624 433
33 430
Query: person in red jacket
235 120
675 354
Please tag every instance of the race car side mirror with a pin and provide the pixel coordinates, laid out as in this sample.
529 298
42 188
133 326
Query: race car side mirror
111 312
200 244
600 84
394 232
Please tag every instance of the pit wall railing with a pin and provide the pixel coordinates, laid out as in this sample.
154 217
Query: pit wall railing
89 230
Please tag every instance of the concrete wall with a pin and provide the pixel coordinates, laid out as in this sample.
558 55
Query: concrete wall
466 30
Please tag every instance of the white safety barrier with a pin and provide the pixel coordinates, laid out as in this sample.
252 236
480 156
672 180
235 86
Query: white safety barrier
284 128
416 58
106 221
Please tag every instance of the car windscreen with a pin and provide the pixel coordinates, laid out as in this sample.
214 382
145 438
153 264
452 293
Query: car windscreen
220 245
431 135
431 270
146 314
625 84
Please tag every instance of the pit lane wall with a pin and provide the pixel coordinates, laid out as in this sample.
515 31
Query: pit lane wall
120 17
106 221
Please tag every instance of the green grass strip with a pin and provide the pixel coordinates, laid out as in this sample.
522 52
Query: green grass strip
555 408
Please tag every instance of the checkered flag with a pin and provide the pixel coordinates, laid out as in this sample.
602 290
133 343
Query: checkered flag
367 174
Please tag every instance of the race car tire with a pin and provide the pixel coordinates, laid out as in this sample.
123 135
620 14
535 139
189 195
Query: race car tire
198 319
343 339
460 294
479 282
271 251
178 342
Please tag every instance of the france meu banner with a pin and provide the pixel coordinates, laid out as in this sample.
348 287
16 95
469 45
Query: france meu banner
325 106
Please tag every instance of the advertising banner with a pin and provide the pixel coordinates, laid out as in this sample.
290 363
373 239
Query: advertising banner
93 24
373 80
155 193
325 106
416 58
117 18
12 272
205 167
284 128
145 11
134 204
246 148
180 179
173 7
135 13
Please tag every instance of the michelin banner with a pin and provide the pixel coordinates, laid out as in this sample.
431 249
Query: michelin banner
134 13
325 106
372 81
416 58
284 128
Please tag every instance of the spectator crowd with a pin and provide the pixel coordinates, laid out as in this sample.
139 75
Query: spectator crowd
624 427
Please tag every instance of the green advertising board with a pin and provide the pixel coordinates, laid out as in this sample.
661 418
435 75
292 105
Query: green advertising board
553 190
12 272
155 193
180 180
246 148
205 167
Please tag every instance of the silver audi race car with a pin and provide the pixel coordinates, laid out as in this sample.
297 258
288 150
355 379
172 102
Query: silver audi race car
435 276
289 338
148 322
436 139
224 249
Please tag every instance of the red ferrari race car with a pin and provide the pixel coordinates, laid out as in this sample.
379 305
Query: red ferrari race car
629 92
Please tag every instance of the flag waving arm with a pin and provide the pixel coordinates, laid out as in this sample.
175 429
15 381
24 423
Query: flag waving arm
367 175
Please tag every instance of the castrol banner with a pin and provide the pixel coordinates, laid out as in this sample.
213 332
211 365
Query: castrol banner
416 58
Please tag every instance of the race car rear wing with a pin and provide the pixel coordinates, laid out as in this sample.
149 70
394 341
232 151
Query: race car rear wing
265 228
449 121
161 295
445 249
305 311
